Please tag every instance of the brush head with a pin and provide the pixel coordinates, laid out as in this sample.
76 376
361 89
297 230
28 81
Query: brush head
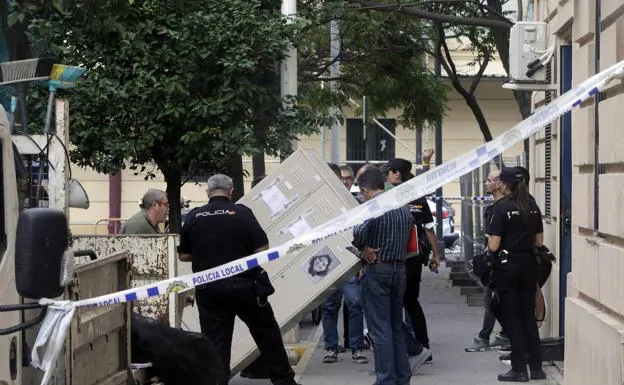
65 76
25 70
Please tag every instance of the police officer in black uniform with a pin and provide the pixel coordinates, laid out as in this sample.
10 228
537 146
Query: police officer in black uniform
398 171
515 229
222 232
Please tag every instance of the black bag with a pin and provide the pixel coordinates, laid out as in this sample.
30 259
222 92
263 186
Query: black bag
483 268
544 259
178 357
262 285
424 247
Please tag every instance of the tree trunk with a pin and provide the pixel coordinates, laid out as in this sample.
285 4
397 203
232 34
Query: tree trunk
472 103
257 158
173 177
235 171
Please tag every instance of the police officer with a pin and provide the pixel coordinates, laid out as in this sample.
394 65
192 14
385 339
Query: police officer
491 303
398 171
515 229
222 232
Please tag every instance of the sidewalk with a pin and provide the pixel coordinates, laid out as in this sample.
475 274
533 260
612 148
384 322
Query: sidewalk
452 326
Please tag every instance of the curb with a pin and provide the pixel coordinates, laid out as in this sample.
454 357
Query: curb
310 347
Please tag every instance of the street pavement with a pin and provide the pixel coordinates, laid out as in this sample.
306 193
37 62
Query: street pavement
452 325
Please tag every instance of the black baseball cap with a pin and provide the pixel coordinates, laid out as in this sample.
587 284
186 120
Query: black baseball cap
511 175
403 166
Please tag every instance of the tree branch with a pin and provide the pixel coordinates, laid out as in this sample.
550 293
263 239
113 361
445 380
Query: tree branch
447 54
493 10
412 11
479 75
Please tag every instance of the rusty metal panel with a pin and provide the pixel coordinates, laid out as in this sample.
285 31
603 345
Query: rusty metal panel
150 258
99 339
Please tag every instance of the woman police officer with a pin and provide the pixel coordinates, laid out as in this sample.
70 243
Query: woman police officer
515 229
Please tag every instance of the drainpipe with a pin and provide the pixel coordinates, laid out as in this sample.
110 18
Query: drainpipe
597 168
114 202
438 160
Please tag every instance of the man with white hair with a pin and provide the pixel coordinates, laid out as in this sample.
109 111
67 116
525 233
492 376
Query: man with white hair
219 233
154 210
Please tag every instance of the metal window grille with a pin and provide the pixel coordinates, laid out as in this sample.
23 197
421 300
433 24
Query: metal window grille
28 183
548 152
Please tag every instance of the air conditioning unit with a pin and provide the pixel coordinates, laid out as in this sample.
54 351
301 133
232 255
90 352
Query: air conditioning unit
528 52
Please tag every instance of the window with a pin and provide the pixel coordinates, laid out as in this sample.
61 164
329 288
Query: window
383 144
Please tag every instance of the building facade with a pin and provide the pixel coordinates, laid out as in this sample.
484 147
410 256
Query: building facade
578 171
460 134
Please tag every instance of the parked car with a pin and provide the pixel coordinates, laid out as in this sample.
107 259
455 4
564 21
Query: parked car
449 236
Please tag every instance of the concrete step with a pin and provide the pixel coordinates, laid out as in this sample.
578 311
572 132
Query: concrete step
459 275
470 290
452 264
474 299
462 282
458 269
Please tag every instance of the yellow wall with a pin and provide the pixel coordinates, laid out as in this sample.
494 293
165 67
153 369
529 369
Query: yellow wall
460 134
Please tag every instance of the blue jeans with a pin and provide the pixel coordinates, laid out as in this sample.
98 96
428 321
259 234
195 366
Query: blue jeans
331 308
383 286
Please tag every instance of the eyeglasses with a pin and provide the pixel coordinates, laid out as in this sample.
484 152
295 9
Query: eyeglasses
166 203
492 180
346 178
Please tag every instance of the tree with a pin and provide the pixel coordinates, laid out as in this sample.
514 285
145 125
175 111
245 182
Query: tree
174 82
480 22
378 58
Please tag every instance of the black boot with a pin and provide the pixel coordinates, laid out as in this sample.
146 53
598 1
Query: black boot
513 376
256 370
538 374
290 381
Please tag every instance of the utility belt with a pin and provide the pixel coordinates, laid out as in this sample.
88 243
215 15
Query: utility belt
260 284
484 264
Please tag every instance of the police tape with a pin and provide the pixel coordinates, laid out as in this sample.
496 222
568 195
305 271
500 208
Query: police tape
54 329
461 198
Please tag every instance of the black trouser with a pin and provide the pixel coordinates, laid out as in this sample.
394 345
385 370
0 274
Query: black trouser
493 313
497 311
516 284
413 271
218 307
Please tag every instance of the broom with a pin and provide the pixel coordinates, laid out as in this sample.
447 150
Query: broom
63 77
20 72
25 70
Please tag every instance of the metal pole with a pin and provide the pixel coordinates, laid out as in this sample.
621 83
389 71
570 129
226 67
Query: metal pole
323 142
438 156
467 241
419 132
369 138
335 73
288 67
477 207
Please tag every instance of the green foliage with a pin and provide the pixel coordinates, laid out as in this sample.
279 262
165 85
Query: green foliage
178 82
479 26
381 56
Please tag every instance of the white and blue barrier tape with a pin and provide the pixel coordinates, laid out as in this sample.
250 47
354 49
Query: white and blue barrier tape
462 198
54 329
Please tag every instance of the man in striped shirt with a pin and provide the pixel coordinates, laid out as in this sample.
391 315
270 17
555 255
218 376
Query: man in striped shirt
383 242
